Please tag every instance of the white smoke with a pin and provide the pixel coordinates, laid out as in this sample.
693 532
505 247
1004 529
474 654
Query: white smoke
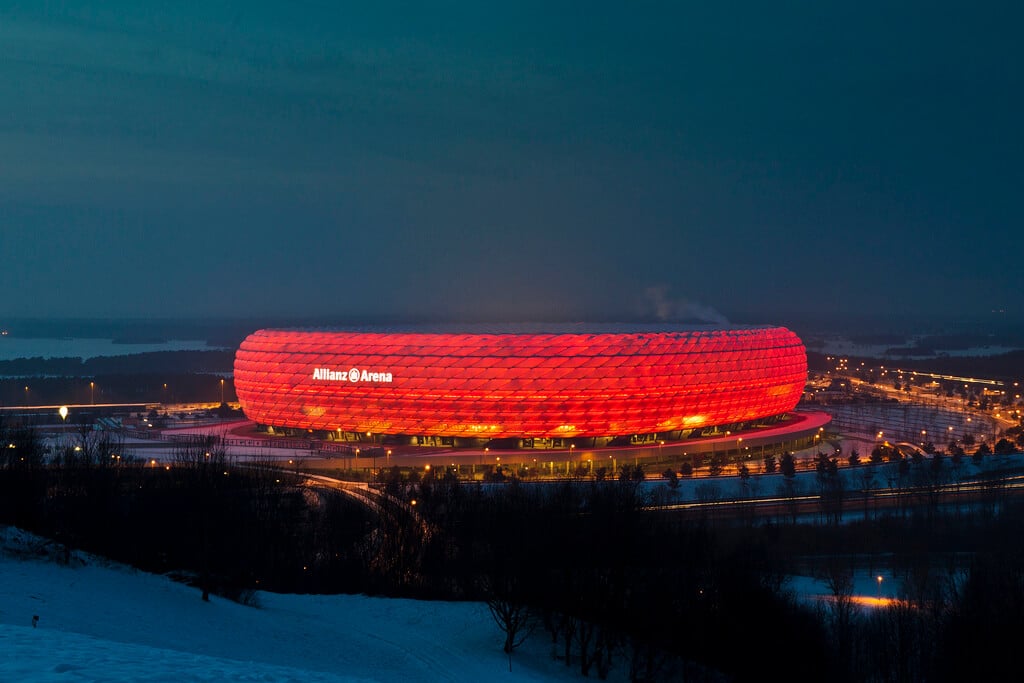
658 302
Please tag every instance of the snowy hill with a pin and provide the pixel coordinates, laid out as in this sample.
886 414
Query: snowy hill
99 621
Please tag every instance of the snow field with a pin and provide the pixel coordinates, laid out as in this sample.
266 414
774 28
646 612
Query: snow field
99 621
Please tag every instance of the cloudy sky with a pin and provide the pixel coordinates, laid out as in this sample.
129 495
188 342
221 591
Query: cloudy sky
519 161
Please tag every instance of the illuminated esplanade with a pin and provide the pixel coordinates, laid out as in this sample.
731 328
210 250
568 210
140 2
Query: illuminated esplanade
494 385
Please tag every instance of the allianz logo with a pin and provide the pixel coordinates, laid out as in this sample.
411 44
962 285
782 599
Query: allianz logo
352 375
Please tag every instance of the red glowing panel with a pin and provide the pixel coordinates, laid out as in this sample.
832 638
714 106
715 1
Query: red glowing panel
518 385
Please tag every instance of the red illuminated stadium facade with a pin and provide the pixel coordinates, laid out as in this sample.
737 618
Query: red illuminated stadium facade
480 387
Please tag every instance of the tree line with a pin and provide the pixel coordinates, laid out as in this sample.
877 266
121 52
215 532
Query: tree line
214 360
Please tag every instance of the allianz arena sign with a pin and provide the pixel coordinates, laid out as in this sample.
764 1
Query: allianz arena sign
353 375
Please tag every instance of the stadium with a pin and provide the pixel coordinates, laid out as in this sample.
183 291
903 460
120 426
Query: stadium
521 389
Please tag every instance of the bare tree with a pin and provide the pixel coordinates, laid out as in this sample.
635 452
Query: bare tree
867 482
205 459
838 578
510 613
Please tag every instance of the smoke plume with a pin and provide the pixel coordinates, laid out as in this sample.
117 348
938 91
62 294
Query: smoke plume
657 302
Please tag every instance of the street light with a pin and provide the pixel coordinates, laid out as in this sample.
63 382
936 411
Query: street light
222 391
879 579
92 393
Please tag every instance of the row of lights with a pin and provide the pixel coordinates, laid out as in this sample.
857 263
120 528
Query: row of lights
92 391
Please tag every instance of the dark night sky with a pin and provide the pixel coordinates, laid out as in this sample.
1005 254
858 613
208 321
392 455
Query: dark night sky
536 160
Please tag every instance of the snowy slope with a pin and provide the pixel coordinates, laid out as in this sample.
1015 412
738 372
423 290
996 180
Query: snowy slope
99 621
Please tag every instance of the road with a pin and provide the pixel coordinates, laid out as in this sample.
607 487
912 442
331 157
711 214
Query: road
991 490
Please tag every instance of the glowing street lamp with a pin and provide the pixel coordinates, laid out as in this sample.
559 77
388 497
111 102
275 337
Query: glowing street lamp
879 580
92 393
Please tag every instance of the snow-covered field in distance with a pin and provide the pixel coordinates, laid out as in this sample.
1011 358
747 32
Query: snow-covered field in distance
842 346
101 621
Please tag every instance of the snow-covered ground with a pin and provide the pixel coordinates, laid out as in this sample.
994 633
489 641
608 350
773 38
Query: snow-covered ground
838 345
100 621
